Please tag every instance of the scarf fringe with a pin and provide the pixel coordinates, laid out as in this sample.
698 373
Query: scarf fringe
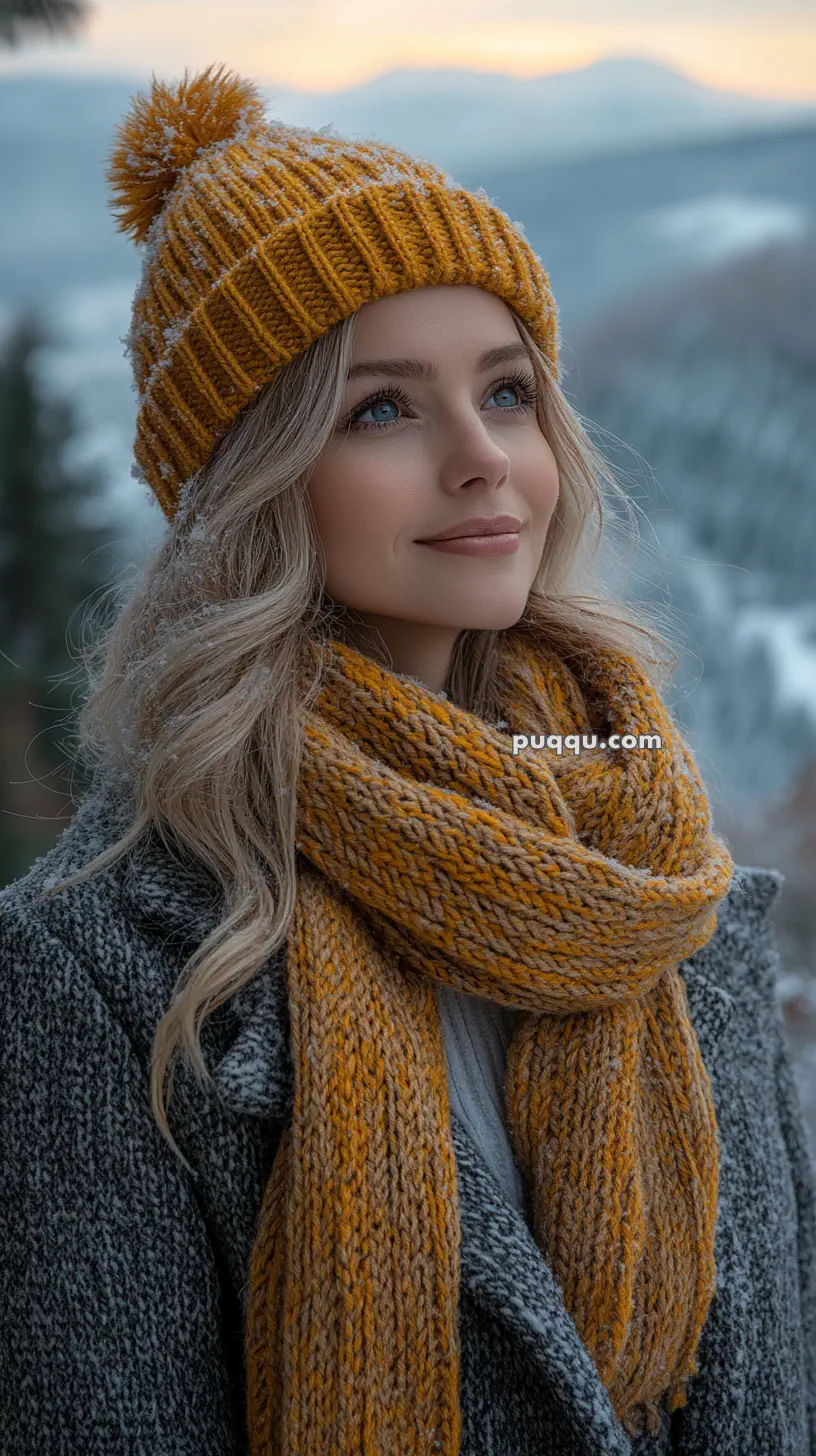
647 1416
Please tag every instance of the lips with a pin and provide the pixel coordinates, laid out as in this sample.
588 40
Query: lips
476 526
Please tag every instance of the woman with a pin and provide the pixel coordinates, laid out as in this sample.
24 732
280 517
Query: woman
492 1143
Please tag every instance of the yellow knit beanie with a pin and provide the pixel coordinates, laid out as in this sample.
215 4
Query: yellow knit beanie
259 237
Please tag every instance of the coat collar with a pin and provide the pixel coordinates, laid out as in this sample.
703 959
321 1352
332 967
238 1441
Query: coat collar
177 897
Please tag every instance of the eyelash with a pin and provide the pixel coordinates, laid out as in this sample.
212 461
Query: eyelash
523 384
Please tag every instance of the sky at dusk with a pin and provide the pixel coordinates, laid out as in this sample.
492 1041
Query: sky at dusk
747 46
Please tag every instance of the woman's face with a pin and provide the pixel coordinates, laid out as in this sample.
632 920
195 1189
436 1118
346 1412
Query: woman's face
429 454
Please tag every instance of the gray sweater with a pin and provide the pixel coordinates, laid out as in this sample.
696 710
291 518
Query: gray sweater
477 1036
124 1276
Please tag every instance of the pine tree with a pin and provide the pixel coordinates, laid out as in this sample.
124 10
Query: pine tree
53 555
21 19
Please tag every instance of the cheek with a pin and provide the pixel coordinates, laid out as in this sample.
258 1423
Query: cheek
351 506
543 474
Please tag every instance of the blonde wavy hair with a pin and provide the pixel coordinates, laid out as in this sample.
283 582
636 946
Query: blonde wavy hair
197 695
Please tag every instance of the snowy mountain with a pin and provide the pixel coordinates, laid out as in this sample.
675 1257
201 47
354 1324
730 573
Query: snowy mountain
464 118
703 394
607 226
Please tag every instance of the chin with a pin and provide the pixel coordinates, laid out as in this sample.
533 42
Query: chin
492 620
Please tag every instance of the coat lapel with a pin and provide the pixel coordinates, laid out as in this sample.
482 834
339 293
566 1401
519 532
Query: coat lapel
255 1076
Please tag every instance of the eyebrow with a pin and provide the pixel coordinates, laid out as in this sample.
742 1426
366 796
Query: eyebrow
418 369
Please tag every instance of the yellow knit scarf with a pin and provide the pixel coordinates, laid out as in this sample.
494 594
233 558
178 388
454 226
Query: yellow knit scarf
566 886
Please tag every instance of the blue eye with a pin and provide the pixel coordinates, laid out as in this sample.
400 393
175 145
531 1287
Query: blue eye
504 389
378 404
524 385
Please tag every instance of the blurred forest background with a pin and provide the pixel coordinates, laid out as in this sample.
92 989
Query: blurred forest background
677 225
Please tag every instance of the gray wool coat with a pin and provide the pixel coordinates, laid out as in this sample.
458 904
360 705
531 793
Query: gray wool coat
124 1278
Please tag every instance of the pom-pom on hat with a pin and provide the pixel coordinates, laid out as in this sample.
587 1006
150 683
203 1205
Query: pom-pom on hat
258 237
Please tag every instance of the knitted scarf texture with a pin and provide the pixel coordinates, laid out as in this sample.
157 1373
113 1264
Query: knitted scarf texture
568 886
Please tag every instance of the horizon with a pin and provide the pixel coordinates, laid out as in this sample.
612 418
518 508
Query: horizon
749 49
141 76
